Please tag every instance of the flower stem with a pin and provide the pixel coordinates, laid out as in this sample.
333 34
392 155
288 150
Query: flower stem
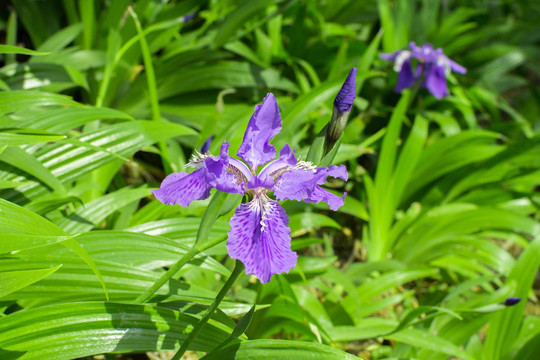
165 277
238 268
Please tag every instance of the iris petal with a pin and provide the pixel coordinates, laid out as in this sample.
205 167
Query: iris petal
286 160
435 81
299 184
265 123
259 238
224 176
183 188
406 77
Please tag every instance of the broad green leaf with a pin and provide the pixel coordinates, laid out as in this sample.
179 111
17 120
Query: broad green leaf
23 139
62 38
367 328
46 76
10 49
209 218
184 229
11 101
89 215
45 206
237 20
68 162
123 282
310 221
64 119
73 330
425 340
140 250
20 159
504 327
23 229
11 281
380 217
279 349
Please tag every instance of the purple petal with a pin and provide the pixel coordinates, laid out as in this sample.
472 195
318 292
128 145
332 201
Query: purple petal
259 238
183 188
406 77
265 123
455 66
344 99
333 201
224 176
388 56
299 184
286 161
435 81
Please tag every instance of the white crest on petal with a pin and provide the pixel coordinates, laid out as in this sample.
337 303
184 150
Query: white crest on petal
442 60
197 160
304 165
403 56
263 203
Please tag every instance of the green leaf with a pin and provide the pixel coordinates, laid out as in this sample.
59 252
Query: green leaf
14 280
10 49
209 218
123 282
310 221
91 214
68 162
22 229
23 139
11 101
367 328
504 328
425 340
73 330
20 159
62 38
279 349
237 20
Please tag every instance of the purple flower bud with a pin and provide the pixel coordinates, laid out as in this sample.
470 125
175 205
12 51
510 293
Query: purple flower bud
344 99
188 17
511 301
206 146
342 107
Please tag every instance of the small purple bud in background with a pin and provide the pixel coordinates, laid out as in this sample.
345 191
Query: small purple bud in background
511 301
342 107
188 17
206 146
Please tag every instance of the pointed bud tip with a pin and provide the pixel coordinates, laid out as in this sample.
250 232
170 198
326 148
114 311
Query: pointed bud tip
206 146
344 99
511 301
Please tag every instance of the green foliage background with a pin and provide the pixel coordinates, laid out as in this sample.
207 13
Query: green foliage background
101 99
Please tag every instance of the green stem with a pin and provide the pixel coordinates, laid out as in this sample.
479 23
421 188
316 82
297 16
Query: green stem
152 87
176 267
165 277
238 268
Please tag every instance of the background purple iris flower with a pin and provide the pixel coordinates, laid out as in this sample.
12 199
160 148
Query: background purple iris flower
259 235
432 68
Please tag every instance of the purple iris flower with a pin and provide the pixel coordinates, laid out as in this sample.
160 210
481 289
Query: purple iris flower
432 68
259 235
